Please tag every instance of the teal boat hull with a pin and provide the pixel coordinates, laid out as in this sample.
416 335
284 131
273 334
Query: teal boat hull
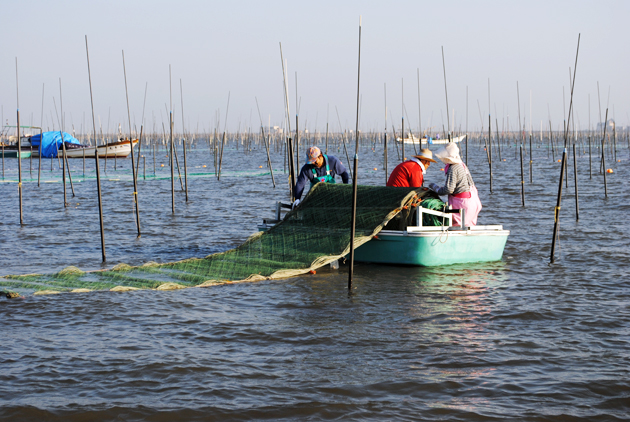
12 153
434 248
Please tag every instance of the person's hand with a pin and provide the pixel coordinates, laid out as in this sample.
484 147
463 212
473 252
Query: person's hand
295 204
434 187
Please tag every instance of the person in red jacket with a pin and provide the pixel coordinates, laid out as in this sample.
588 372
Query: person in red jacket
410 173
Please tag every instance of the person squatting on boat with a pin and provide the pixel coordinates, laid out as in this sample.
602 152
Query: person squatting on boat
459 187
318 168
410 173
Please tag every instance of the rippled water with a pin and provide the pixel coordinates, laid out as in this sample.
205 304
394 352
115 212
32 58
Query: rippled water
515 339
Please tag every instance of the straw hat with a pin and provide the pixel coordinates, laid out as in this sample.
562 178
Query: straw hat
449 154
426 154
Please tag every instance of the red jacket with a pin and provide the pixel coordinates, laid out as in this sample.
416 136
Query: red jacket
407 174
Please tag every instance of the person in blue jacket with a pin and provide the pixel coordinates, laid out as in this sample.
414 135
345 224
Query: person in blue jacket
318 168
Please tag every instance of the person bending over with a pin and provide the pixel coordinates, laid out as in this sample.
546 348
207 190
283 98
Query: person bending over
318 168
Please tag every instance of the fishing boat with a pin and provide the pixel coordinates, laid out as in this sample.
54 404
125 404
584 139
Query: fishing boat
412 139
426 246
119 149
10 149
429 246
51 146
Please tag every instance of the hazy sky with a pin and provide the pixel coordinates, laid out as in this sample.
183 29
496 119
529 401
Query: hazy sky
222 47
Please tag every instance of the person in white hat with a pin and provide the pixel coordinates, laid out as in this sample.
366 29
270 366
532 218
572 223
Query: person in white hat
459 187
410 173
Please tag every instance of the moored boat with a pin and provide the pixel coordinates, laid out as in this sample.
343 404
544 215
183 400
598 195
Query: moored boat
11 151
412 139
51 146
118 149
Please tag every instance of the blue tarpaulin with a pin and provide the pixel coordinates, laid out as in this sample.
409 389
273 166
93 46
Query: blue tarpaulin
52 143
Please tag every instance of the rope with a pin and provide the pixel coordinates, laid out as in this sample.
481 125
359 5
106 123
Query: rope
556 212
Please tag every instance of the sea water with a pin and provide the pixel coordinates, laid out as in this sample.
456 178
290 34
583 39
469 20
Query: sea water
513 339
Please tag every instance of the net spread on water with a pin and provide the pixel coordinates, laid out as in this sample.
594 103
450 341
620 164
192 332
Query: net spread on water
309 237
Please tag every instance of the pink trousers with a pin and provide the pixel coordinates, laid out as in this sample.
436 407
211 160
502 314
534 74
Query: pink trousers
472 207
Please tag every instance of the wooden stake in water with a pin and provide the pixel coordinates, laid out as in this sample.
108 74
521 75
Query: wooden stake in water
223 139
531 160
356 171
98 176
522 179
133 167
385 136
297 131
466 125
448 123
402 129
327 109
39 169
266 142
402 137
557 209
489 150
577 206
604 157
181 94
564 162
590 160
64 160
19 150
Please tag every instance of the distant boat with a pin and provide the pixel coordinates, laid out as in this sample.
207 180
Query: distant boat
51 146
119 149
10 150
412 139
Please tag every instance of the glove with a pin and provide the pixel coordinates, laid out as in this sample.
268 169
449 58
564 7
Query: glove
295 204
434 187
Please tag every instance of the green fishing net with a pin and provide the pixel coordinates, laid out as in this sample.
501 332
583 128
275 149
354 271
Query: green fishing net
433 204
311 236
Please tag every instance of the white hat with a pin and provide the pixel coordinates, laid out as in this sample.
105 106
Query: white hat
449 154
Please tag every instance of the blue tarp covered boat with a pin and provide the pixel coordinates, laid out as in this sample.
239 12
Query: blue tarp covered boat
51 143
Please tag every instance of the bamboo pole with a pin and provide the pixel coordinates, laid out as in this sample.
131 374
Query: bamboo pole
39 168
531 160
356 171
141 127
133 167
64 160
577 206
448 123
98 176
603 161
181 95
223 139
557 209
564 164
19 150
385 135
266 142
590 159
489 149
522 179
